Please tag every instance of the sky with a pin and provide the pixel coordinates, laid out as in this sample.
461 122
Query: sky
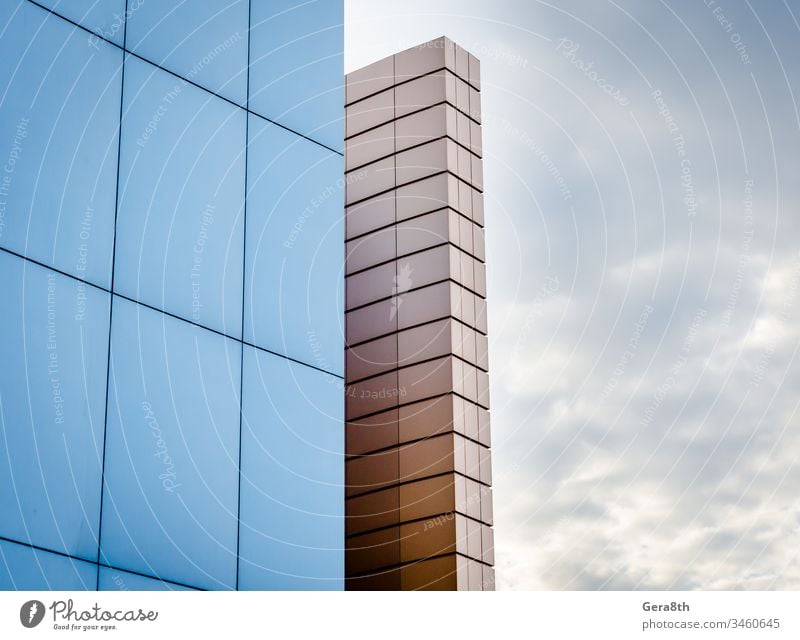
643 260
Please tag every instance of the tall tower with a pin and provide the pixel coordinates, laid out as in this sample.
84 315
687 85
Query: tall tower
418 502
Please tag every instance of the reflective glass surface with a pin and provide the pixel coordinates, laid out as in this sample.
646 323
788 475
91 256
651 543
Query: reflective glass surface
295 247
171 476
52 400
297 66
117 580
204 41
26 569
105 17
179 227
292 531
125 171
59 117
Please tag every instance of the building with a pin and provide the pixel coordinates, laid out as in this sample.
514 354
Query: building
172 296
418 475
172 395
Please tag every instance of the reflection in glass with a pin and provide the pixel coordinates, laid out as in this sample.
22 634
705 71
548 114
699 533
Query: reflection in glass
59 119
52 403
171 476
179 227
292 531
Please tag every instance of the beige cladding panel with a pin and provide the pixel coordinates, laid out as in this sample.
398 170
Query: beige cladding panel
418 506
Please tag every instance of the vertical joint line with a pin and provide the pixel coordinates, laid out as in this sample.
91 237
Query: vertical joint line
111 293
244 291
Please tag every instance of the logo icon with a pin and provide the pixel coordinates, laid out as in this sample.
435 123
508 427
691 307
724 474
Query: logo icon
31 613
402 283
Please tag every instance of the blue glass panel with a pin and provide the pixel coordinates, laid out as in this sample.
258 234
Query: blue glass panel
52 405
292 505
104 17
295 247
171 474
59 119
179 227
297 66
202 40
117 580
23 568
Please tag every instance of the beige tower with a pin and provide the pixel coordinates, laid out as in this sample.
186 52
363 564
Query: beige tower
418 502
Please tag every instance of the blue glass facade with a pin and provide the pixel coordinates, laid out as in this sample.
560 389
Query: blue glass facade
171 251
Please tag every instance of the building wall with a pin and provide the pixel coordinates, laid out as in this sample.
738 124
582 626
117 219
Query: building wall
172 295
418 474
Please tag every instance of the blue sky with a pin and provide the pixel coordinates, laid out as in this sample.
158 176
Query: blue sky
641 177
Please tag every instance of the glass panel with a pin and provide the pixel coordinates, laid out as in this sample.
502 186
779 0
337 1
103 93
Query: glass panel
370 472
369 113
292 529
373 511
426 538
23 568
59 116
371 180
427 498
425 380
373 284
117 580
427 341
52 404
295 252
370 79
370 146
375 432
430 575
104 17
179 227
297 66
373 550
205 41
427 458
372 358
171 459
370 214
372 249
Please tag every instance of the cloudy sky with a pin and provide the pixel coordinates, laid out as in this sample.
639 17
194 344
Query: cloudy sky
642 178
